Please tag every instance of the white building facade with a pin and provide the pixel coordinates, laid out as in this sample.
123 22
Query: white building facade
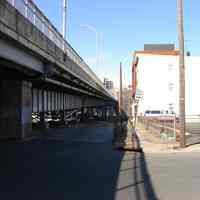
156 74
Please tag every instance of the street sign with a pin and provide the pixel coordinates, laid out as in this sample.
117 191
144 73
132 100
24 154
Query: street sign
139 94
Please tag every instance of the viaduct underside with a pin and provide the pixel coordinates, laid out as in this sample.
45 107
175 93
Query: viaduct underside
38 78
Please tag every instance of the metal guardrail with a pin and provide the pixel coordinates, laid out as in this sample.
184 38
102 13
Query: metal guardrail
31 12
167 125
170 125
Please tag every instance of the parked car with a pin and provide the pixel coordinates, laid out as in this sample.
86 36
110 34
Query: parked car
158 113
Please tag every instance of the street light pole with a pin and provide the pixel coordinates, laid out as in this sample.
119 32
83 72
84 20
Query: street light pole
64 27
93 29
181 74
120 90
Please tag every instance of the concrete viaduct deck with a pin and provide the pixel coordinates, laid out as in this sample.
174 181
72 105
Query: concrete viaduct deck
41 73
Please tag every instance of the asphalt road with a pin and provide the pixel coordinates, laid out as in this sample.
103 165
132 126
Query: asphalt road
79 164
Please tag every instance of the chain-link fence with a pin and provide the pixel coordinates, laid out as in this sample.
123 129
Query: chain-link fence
167 127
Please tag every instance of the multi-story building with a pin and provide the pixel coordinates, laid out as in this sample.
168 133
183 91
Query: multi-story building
155 74
108 84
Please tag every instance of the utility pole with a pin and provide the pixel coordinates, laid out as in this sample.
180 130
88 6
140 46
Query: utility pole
64 27
120 90
181 74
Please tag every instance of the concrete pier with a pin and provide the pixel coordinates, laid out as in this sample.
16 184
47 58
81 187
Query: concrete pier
15 109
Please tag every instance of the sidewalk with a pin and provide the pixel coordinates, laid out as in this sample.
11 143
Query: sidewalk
152 143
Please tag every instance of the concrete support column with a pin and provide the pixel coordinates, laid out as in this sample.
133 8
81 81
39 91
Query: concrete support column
62 115
101 114
94 110
107 113
15 109
88 112
42 113
104 113
83 101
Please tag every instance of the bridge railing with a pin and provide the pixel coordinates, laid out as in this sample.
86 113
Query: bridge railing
30 11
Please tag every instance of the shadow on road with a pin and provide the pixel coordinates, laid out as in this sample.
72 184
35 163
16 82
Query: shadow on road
145 189
81 166
141 186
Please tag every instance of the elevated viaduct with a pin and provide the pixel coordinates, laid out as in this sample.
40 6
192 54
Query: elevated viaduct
40 73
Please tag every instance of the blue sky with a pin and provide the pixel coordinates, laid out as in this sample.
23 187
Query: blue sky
123 26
